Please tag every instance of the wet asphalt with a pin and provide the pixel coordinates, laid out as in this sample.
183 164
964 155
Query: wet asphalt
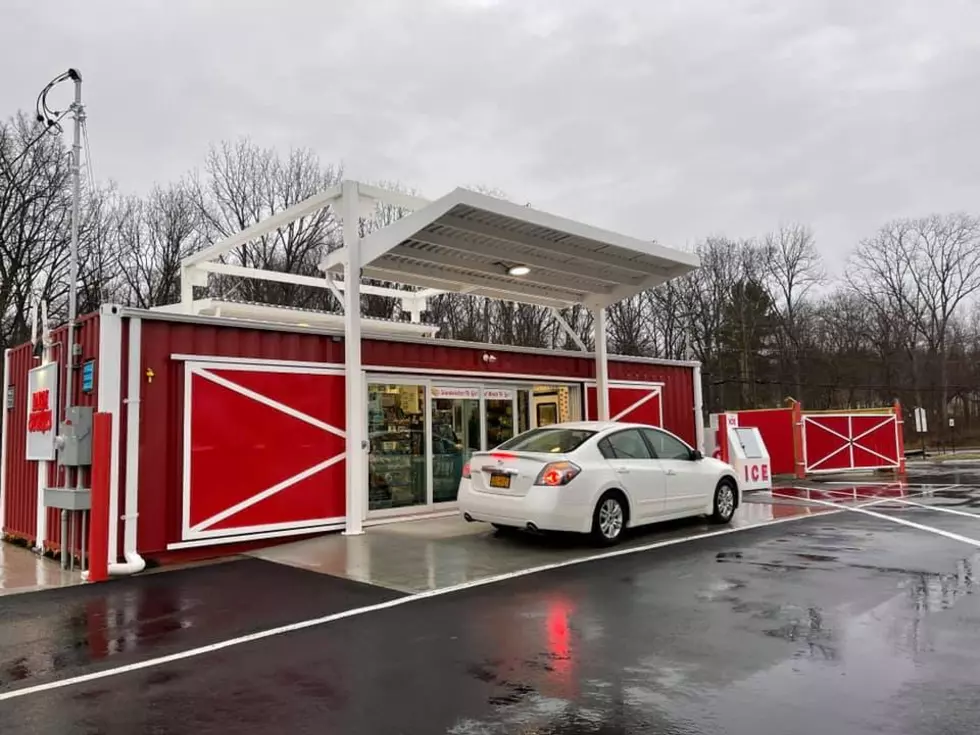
835 623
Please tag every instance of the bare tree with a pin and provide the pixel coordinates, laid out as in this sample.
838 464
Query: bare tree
629 327
35 218
244 184
153 235
923 270
794 268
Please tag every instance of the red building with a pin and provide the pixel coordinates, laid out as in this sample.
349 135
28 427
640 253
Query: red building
230 429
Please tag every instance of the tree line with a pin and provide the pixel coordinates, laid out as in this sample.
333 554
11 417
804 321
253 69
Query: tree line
761 314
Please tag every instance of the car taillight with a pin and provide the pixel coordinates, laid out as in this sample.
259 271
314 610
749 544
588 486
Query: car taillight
466 471
556 474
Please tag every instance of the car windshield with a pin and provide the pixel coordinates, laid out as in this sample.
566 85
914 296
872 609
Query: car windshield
550 440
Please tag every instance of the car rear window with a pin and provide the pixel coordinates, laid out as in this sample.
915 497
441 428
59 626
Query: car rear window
549 440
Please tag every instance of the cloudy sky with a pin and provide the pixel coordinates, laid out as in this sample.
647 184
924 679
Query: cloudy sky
666 119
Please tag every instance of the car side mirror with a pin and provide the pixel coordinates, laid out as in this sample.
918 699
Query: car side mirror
696 455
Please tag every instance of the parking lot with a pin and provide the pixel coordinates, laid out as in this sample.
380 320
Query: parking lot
836 610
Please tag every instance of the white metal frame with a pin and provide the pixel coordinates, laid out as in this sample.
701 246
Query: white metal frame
618 268
849 442
200 531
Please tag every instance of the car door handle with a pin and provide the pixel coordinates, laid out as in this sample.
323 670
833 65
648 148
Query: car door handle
670 473
623 471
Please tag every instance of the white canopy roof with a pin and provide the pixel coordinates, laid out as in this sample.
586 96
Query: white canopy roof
467 242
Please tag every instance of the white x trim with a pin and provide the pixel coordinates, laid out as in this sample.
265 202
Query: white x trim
267 493
265 400
849 444
629 409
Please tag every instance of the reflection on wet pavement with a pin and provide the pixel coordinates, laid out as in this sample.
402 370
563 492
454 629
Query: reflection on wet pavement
54 633
21 570
413 556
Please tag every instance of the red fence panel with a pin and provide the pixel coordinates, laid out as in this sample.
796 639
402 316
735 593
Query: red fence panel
847 442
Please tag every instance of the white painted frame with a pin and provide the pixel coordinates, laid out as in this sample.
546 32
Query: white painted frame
849 443
200 531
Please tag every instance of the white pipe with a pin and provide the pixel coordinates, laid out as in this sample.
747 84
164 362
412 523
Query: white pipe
134 562
4 436
76 197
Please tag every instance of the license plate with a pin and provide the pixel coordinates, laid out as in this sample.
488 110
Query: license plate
501 481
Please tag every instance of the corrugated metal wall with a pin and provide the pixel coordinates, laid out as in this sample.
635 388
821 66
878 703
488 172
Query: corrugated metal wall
21 475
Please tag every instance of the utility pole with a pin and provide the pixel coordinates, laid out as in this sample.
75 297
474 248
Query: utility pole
78 115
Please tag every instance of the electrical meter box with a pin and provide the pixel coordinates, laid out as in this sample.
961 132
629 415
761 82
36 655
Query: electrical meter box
743 448
75 438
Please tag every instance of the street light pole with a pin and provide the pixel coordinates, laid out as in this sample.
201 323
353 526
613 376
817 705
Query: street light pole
78 115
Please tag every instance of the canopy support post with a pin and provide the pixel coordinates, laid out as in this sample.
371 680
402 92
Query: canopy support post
601 365
356 409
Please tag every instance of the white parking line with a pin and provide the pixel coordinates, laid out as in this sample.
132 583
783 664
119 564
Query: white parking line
894 519
940 508
314 622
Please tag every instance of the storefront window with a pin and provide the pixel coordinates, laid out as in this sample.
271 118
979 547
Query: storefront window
455 436
523 411
397 458
500 416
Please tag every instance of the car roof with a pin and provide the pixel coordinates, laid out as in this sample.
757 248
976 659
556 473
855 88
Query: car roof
595 425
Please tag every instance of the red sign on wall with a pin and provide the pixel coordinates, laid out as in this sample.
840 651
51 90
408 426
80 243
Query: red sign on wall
41 417
42 406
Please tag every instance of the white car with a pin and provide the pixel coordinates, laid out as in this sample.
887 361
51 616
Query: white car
595 477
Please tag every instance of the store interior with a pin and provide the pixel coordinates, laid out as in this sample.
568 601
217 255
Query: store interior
462 419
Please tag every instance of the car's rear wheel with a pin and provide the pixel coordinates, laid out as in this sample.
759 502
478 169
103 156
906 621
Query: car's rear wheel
724 507
609 519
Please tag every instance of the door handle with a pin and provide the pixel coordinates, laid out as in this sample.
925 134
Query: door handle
670 473
623 471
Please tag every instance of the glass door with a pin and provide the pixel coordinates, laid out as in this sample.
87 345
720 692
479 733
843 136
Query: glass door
397 458
500 415
455 436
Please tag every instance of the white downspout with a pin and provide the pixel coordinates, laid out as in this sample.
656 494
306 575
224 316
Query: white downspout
4 437
134 563
601 365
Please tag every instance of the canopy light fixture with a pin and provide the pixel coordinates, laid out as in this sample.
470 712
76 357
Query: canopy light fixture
518 270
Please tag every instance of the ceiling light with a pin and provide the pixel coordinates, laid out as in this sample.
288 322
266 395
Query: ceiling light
518 270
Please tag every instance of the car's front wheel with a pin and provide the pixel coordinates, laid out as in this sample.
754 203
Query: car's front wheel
725 499
609 519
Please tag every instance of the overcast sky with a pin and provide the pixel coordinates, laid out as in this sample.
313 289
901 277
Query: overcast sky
662 119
